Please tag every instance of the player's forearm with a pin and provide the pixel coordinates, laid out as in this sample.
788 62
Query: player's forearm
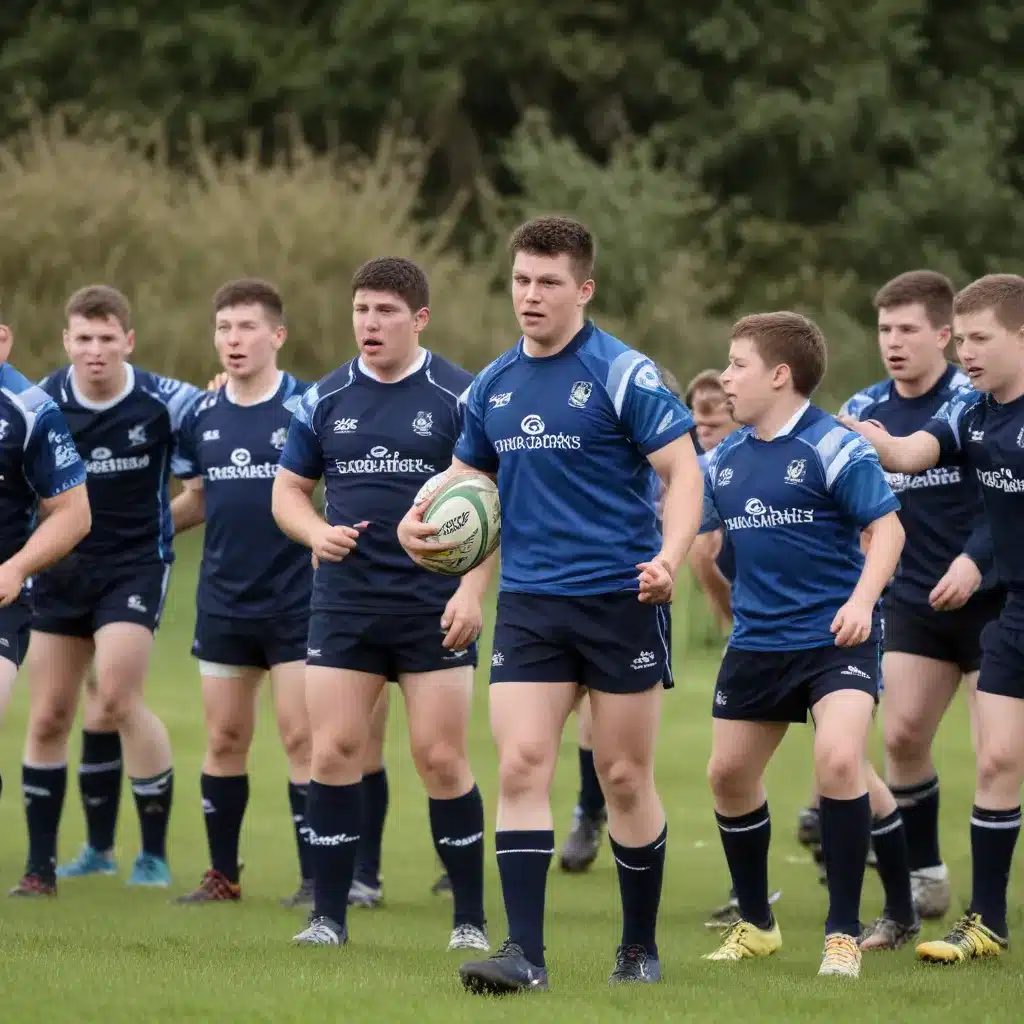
479 579
188 510
294 513
681 518
56 535
885 545
719 595
912 454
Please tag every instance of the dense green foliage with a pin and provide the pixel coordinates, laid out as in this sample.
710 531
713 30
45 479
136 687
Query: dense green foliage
730 156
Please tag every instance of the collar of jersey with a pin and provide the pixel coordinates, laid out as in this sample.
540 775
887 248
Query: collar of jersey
263 398
415 368
788 427
930 394
579 338
85 403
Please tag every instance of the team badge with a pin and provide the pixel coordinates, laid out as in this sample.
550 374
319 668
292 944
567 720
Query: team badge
724 476
278 437
795 471
423 423
648 378
579 395
137 435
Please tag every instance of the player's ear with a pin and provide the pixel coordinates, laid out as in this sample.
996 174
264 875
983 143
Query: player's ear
586 292
279 337
130 340
420 319
6 342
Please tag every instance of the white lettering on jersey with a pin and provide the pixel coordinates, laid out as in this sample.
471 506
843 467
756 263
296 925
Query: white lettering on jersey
99 466
532 424
345 426
760 516
380 460
558 442
64 450
1000 480
938 477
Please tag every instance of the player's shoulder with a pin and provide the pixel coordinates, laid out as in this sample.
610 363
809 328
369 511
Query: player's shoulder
860 405
291 391
834 445
445 374
618 367
725 450
955 381
491 374
328 387
168 391
28 400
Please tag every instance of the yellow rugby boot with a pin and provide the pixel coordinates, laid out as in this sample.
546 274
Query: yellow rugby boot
744 940
968 939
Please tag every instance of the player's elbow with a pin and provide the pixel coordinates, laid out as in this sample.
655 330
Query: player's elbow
887 532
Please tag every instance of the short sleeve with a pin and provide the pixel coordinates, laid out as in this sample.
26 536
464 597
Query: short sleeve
710 519
949 425
473 446
52 464
857 483
651 415
303 453
185 457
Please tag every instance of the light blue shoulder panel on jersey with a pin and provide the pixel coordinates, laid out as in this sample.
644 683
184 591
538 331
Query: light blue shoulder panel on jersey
953 412
30 400
856 404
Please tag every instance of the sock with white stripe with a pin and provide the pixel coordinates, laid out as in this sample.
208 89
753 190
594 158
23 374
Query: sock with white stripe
641 870
153 799
371 835
889 838
458 829
523 861
334 817
746 839
993 837
100 775
43 788
919 808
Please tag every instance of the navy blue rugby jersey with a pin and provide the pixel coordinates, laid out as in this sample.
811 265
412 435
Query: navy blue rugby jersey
250 569
376 444
988 438
941 509
38 459
568 437
129 447
794 508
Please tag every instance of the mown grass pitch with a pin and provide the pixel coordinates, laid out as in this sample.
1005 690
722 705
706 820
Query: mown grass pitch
103 953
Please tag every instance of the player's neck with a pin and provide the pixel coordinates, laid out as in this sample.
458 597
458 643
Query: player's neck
100 392
1013 391
260 387
780 416
537 350
393 374
921 385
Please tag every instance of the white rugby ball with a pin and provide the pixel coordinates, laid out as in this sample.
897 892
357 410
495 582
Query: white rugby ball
465 509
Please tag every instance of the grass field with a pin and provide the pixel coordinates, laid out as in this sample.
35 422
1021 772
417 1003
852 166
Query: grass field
103 953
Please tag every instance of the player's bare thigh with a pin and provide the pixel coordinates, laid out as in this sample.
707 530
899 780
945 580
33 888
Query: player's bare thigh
527 720
8 673
56 666
1000 750
123 650
438 706
373 759
740 752
584 724
918 691
340 705
230 700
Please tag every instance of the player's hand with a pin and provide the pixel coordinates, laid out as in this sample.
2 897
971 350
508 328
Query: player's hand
871 429
11 582
417 537
955 589
333 543
218 382
463 618
852 624
656 581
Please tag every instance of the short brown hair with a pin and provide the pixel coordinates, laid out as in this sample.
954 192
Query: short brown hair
706 380
250 291
1002 293
557 236
931 289
398 276
99 301
790 339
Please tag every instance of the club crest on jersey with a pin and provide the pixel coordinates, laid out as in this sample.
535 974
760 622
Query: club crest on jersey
278 437
499 401
423 424
648 378
796 471
579 394
4 429
724 477
532 425
137 435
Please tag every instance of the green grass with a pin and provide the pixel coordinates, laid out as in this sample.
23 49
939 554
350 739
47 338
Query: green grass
103 953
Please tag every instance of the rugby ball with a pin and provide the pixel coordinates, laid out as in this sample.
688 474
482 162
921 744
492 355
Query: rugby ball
465 508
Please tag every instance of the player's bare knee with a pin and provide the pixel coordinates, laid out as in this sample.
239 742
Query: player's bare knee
228 741
839 768
730 779
999 767
51 724
524 768
335 754
117 706
906 741
441 765
622 780
297 742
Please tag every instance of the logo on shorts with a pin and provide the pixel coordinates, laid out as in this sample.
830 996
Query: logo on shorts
423 423
977 435
241 457
211 435
278 437
136 603
312 652
796 471
580 393
345 426
499 401
645 659
724 477
137 435
532 425
4 429
720 699
455 655
4 642
852 670
497 659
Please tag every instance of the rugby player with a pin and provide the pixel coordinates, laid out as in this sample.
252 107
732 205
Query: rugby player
42 482
252 600
945 591
377 429
102 602
571 422
983 427
794 489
